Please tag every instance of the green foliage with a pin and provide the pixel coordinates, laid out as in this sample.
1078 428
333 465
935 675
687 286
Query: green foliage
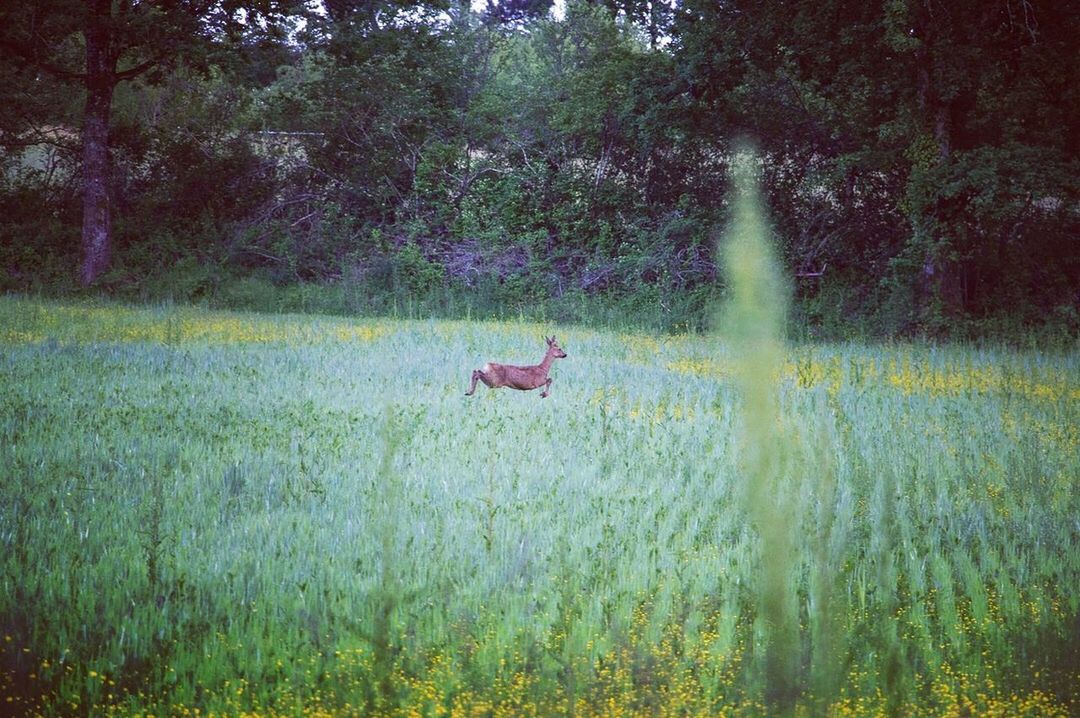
415 272
185 281
919 167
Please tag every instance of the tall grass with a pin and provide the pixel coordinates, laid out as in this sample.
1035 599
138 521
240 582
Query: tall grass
218 511
754 319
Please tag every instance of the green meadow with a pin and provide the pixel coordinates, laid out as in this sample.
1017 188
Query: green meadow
215 513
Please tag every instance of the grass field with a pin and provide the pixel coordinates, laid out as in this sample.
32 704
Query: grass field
213 513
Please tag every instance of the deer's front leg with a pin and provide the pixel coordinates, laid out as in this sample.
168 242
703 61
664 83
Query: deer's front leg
547 388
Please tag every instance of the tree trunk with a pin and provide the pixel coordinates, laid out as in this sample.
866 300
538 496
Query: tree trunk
100 81
940 277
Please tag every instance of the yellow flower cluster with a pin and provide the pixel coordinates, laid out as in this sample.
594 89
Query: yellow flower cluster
118 324
911 378
614 402
700 367
954 695
907 376
673 674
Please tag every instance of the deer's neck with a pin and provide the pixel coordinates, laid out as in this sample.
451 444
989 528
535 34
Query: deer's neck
546 363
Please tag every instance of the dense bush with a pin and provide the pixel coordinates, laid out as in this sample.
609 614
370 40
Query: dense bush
520 164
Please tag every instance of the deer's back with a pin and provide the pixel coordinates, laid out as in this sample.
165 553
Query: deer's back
517 377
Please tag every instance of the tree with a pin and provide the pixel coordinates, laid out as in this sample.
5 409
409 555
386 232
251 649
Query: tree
930 143
101 43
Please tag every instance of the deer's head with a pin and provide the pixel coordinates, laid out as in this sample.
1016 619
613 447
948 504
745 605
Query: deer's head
554 349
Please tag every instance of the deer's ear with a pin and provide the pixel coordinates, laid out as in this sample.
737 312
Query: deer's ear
549 341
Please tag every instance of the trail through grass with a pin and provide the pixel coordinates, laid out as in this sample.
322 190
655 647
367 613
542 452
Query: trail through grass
279 515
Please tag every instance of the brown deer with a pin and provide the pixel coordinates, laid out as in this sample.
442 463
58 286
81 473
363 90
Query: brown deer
519 377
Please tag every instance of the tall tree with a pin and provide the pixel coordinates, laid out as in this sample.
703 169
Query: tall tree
101 43
946 125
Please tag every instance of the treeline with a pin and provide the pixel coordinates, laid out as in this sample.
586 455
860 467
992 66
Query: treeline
920 159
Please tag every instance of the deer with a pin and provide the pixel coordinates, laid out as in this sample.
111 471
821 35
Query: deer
524 378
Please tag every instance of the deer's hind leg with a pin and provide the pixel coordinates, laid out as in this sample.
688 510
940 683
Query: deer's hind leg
476 375
484 376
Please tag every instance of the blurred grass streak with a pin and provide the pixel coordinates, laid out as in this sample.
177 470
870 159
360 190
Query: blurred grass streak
754 318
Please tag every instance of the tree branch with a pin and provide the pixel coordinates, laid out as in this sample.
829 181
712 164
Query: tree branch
136 70
27 55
